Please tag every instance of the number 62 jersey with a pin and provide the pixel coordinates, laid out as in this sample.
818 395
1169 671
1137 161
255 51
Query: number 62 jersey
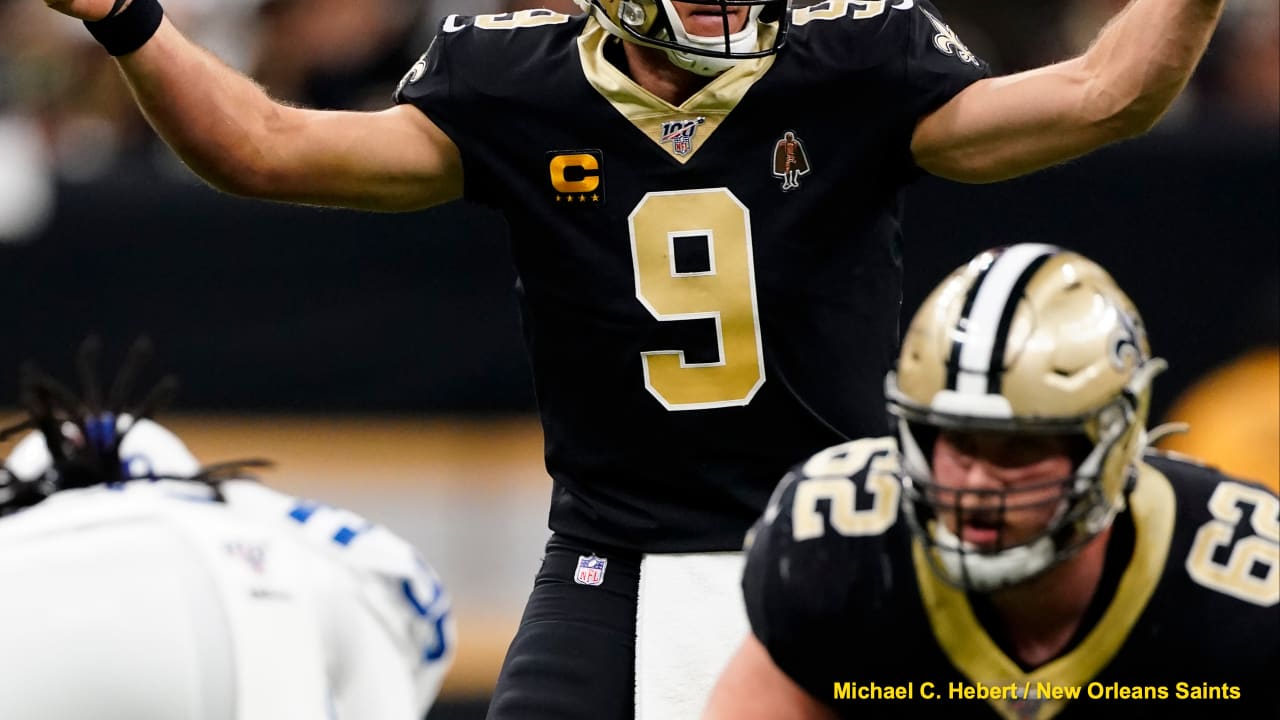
709 291
1186 617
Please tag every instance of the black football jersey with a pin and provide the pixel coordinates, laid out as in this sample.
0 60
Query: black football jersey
1186 615
709 292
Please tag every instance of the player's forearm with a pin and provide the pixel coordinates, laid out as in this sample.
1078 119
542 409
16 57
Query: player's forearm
217 120
753 687
1144 58
1009 126
241 141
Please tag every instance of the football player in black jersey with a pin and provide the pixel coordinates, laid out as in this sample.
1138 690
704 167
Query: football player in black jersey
1015 551
704 200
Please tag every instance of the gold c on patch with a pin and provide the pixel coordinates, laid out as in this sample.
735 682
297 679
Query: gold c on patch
577 177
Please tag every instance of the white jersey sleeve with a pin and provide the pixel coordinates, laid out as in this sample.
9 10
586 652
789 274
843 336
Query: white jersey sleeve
387 623
306 611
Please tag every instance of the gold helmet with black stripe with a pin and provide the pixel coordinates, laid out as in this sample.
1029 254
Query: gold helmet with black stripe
1026 339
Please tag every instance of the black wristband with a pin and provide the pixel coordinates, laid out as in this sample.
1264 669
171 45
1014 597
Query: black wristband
129 30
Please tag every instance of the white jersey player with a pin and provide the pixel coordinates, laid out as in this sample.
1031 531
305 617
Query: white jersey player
160 599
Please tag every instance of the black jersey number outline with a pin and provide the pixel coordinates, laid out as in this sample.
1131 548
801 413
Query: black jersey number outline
837 9
1260 549
535 17
726 293
829 476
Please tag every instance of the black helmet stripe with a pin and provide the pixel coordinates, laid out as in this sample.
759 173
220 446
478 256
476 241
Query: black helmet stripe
995 366
978 345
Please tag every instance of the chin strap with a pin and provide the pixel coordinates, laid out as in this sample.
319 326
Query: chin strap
746 40
965 567
743 41
700 65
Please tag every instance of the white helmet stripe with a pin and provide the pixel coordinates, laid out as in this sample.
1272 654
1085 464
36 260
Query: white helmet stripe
979 343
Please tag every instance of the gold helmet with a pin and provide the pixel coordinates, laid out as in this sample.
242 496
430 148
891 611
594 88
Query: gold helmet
657 24
1028 339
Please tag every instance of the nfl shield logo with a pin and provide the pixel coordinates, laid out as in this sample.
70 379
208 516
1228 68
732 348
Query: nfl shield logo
680 134
590 570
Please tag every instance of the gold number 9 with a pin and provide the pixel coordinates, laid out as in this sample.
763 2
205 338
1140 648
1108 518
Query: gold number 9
724 291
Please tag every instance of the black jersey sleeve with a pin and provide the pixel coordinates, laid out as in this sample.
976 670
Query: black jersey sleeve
900 60
761 581
427 84
937 63
906 46
936 66
816 560
433 87
482 77
1222 582
783 604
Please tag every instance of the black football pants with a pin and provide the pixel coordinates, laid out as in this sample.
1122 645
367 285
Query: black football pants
573 656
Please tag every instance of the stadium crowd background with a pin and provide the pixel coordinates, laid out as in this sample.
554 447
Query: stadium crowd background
378 360
61 102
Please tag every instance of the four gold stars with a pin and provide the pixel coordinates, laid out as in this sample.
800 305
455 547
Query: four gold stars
595 198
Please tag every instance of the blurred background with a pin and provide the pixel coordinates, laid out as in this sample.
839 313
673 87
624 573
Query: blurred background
378 358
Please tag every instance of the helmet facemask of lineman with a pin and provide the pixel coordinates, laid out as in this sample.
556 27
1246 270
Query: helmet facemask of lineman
1031 342
656 23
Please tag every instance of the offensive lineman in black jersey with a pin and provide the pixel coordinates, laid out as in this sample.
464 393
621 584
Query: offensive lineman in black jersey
704 200
1012 552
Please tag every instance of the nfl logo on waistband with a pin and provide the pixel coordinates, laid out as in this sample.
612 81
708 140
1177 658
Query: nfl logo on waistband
590 570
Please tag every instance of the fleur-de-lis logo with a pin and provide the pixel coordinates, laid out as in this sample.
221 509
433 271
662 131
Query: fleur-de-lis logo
948 43
1128 341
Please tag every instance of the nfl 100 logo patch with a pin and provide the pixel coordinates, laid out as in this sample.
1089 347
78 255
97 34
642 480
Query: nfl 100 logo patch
590 570
680 134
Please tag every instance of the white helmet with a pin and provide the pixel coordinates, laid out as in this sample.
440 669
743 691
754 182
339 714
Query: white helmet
148 450
656 23
79 443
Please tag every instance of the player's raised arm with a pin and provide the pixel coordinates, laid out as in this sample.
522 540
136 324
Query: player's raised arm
1009 126
226 128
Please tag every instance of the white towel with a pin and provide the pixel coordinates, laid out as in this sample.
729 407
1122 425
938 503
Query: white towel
690 620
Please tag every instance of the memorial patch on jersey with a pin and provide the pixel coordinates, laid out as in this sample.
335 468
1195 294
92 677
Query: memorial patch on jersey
590 570
790 162
680 134
577 177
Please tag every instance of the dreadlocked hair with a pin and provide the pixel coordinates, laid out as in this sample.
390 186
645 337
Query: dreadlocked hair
84 434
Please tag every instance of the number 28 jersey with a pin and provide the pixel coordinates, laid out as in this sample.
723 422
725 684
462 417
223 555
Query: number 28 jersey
710 291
